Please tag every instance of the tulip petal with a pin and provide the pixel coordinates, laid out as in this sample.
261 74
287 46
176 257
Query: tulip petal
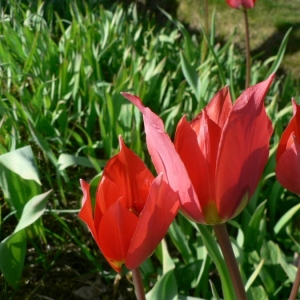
86 212
293 126
219 107
186 145
197 145
115 232
243 150
166 159
287 168
126 176
159 212
241 3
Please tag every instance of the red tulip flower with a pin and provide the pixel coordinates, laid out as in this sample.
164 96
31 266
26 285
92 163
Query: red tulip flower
218 158
288 154
241 3
133 210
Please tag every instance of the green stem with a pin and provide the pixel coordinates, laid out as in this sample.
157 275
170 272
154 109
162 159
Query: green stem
295 288
248 54
224 242
206 15
206 29
138 284
216 255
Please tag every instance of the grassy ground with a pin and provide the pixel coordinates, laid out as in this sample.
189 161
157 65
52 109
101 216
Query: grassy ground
269 21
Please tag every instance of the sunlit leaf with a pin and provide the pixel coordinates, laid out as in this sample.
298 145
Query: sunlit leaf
13 247
21 162
165 288
286 218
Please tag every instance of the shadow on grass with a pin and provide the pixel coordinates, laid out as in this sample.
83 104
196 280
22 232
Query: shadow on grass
270 46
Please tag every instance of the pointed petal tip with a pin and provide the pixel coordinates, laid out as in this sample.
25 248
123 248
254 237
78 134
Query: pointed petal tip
134 100
121 141
272 76
295 106
84 185
129 96
270 79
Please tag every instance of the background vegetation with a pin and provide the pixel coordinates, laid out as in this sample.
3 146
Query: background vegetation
62 68
269 22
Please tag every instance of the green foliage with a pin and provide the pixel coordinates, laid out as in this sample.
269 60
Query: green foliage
62 71
20 181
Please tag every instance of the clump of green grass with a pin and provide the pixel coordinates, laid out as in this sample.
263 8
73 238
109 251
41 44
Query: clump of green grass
269 21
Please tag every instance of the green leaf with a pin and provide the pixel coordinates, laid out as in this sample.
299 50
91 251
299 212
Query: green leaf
168 263
13 247
254 275
214 252
21 162
163 255
43 144
268 280
258 292
33 209
147 268
93 188
180 297
67 160
253 227
180 241
216 59
286 218
190 75
12 255
214 291
270 252
30 56
280 54
19 178
165 288
289 269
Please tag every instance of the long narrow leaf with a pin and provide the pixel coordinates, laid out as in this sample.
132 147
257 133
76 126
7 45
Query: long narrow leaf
280 54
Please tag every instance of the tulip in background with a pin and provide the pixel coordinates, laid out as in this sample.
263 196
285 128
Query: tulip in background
288 154
133 210
245 4
241 3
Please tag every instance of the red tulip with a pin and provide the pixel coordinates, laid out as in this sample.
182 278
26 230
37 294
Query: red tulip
222 153
166 159
241 3
133 210
288 154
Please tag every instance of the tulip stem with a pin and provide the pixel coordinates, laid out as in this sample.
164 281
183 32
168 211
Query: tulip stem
206 15
248 54
295 288
224 242
205 29
138 284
